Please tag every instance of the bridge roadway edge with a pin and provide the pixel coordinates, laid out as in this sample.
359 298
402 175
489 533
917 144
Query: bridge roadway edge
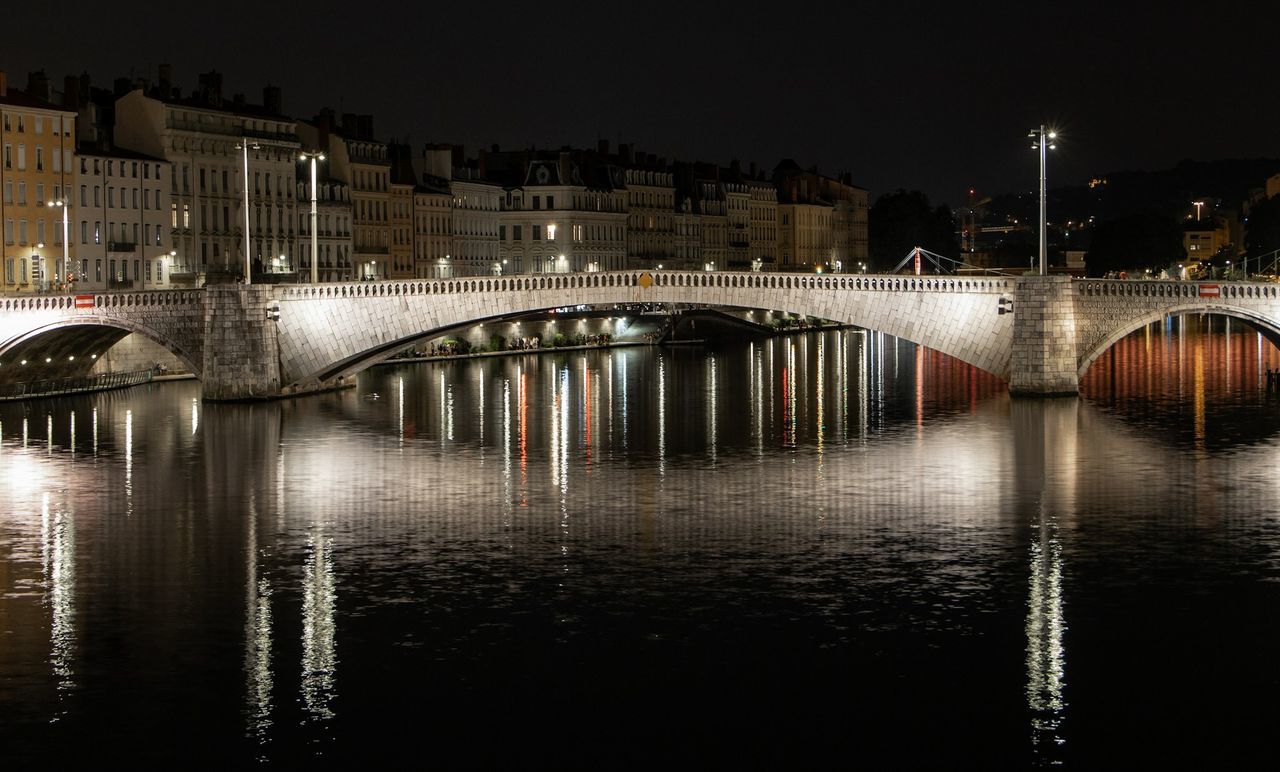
260 342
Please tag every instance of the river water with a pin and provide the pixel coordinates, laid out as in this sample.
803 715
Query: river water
827 549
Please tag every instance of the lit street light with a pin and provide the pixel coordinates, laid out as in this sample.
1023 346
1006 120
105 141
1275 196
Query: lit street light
1043 142
315 248
248 267
66 259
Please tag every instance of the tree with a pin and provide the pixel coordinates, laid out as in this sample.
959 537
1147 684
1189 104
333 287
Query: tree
899 221
1262 231
1133 243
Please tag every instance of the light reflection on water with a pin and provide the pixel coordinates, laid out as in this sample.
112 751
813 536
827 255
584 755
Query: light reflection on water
734 530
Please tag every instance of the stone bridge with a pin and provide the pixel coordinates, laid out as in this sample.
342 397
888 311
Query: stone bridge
264 341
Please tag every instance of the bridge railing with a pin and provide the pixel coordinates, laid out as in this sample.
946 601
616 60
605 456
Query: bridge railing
51 387
692 279
1149 288
89 301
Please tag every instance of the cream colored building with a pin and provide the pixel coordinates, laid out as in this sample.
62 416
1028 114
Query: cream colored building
762 231
737 208
650 217
121 221
433 229
333 226
564 218
38 142
204 139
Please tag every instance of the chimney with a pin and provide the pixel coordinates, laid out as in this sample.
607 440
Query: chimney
164 73
86 90
38 85
4 84
273 100
71 92
211 88
602 147
324 125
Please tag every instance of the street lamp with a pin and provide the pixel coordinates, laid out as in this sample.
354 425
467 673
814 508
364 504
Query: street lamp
1197 205
66 259
1043 142
315 248
244 147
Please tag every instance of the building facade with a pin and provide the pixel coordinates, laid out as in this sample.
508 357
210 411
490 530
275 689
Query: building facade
762 230
206 140
333 228
38 141
651 211
121 224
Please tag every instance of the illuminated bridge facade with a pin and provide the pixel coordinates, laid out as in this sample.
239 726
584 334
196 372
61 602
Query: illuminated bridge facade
263 341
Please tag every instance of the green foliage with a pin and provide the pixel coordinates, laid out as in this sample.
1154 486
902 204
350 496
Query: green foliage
1135 242
497 342
560 340
901 220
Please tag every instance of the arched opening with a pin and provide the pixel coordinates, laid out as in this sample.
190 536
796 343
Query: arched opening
82 346
1269 329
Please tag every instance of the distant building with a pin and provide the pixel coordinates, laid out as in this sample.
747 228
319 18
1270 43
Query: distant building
333 226
762 232
122 221
203 139
38 144
560 213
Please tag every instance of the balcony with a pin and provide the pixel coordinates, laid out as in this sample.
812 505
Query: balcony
121 246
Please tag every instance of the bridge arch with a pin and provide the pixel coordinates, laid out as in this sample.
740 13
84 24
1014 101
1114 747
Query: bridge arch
94 333
321 344
1270 328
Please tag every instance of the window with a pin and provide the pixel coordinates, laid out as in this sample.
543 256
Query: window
22 156
551 204
84 232
111 197
202 185
111 168
84 195
57 161
8 191
20 123
537 202
537 231
186 215
40 195
22 192
517 235
8 235
97 196
22 231
8 156
39 158
173 215
39 231
97 232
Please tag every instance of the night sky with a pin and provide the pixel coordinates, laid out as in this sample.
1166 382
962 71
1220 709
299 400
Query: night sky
901 94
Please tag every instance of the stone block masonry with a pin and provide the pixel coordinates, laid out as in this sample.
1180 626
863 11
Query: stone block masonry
233 339
241 352
1043 359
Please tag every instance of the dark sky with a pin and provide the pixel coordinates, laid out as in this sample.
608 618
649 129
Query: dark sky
901 94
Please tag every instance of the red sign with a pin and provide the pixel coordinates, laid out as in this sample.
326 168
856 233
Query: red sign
84 301
1209 291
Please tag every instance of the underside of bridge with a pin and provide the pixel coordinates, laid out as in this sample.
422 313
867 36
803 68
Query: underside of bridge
63 352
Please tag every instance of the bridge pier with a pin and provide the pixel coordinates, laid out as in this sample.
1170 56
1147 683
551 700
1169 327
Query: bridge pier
1043 360
241 349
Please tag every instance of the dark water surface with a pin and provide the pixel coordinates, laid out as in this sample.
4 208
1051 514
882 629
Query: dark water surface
825 550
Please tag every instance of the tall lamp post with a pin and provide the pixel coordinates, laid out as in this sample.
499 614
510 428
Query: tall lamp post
315 247
1043 141
66 258
244 146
